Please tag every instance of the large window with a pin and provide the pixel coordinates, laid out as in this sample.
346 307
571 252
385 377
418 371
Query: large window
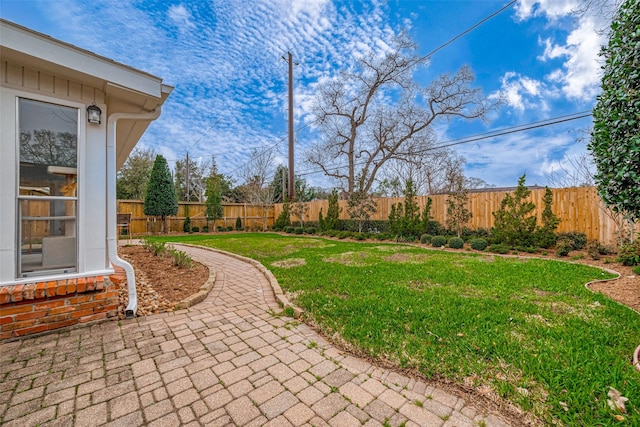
47 198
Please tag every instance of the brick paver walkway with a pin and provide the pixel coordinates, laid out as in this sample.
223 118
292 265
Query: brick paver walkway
225 361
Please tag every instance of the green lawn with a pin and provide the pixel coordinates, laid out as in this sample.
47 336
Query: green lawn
529 329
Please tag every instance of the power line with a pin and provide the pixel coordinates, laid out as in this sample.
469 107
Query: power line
440 47
468 30
487 135
514 129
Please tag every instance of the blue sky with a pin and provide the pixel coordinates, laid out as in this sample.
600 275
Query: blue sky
224 58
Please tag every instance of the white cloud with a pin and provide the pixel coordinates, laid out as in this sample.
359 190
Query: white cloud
181 16
553 9
522 92
579 76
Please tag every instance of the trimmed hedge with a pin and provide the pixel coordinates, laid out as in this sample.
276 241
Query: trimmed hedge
478 244
438 241
456 243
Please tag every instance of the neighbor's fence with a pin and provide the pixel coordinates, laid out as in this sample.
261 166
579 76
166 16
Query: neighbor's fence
253 217
579 209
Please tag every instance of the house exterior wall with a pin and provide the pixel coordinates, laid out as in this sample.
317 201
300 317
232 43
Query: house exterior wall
22 301
44 306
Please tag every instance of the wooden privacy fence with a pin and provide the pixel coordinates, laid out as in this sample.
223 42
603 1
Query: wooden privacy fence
252 217
579 209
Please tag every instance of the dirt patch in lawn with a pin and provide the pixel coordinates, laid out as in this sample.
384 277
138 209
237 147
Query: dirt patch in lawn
407 258
288 263
160 284
348 258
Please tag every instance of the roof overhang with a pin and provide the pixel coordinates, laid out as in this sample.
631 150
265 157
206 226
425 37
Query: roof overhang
126 89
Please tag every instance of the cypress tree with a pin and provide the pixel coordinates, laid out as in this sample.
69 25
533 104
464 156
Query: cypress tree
160 199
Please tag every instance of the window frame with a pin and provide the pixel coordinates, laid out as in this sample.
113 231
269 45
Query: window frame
52 273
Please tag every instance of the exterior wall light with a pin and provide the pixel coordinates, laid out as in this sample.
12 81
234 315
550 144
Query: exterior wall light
93 114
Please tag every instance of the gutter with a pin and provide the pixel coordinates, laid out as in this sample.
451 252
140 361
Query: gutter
112 242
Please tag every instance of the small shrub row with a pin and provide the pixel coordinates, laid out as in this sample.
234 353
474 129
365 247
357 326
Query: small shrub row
596 249
575 239
157 248
629 254
499 248
180 258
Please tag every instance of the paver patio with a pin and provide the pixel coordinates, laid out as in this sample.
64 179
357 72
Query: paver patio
225 361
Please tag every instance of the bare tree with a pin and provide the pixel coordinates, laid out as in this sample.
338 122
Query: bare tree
457 213
256 187
47 147
377 114
577 172
605 9
299 209
434 172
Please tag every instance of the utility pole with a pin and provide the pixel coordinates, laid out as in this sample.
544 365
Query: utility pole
186 196
291 172
284 186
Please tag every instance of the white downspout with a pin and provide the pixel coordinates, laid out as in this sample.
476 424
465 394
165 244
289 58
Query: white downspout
112 242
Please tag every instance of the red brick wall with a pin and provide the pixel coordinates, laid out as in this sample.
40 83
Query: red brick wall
43 306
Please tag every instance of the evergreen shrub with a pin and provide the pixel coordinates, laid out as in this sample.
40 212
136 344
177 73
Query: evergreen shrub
456 243
499 248
426 239
478 244
438 241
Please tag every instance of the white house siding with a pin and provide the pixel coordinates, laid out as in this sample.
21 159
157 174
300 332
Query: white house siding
20 77
19 80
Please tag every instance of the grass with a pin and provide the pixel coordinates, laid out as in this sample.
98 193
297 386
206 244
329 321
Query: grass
527 328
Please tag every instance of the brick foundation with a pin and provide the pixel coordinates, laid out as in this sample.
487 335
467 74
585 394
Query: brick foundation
43 306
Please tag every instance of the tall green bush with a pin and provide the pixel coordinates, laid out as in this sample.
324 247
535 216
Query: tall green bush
360 207
615 141
545 236
405 218
160 199
284 219
321 223
426 214
332 220
514 223
214 210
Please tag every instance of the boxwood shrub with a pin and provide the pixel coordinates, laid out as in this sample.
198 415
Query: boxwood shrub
499 248
438 241
478 244
456 243
426 238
